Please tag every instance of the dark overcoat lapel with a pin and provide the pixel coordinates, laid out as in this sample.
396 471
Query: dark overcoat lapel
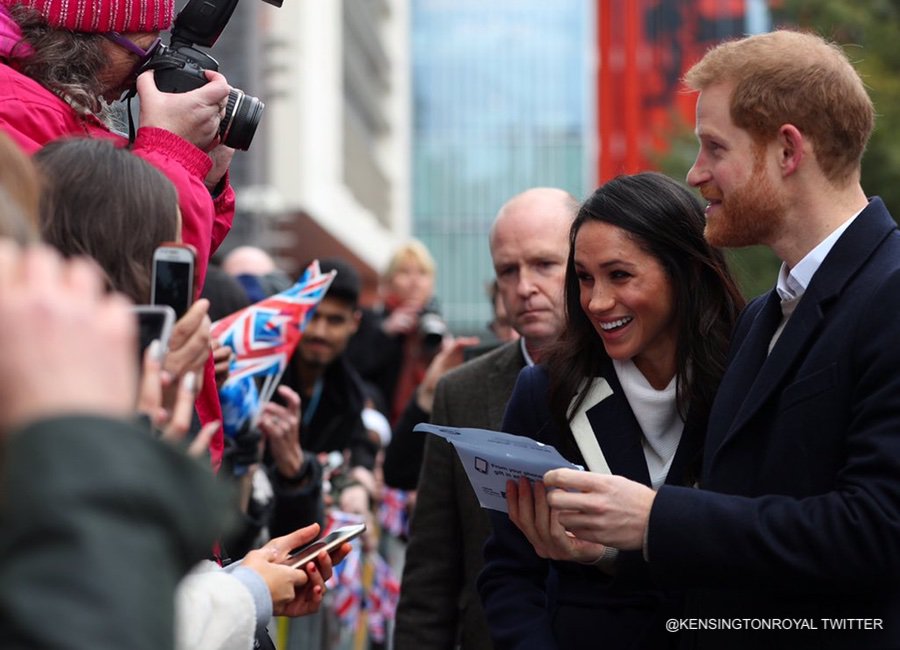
747 387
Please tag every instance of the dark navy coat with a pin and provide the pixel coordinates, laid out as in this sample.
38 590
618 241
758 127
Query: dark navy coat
534 603
798 517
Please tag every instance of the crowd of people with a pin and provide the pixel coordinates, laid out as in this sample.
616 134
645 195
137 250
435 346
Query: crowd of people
742 471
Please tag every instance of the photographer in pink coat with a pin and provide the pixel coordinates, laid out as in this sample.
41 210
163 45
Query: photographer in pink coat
63 61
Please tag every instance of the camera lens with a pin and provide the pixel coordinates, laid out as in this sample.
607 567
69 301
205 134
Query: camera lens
242 115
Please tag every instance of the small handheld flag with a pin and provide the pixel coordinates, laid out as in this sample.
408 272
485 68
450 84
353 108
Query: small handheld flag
263 337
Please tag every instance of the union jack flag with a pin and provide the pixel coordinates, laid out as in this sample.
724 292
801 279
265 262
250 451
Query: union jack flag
393 512
263 337
364 583
337 518
347 587
383 597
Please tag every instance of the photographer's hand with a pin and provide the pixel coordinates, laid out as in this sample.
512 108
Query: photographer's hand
194 115
221 158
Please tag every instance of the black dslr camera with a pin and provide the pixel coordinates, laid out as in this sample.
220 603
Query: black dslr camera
179 67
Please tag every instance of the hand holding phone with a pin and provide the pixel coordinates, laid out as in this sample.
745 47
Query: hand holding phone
306 588
188 348
298 558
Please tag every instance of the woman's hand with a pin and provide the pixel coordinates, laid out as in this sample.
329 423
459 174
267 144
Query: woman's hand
451 355
189 347
296 596
529 511
66 346
403 320
175 424
283 581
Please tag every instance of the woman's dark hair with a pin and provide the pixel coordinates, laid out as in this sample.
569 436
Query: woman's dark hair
106 203
68 64
664 219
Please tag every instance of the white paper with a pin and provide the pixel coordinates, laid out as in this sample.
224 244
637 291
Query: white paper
491 458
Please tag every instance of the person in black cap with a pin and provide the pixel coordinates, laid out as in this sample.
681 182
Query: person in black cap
332 393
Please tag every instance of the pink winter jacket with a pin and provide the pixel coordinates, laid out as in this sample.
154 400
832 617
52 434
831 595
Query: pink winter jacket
33 116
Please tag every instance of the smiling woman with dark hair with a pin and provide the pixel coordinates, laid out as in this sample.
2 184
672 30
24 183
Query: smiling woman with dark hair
625 390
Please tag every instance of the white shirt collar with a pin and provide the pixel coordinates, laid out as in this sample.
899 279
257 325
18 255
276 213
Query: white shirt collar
792 284
528 360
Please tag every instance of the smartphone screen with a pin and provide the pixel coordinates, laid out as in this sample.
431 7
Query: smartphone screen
154 322
301 556
173 278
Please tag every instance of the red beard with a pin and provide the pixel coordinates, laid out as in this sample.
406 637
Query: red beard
748 216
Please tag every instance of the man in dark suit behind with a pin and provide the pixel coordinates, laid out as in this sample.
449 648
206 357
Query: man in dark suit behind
796 528
439 607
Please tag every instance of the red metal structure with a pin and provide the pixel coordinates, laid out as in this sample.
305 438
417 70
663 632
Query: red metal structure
645 47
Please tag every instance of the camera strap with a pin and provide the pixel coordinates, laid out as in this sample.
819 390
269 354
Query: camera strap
131 130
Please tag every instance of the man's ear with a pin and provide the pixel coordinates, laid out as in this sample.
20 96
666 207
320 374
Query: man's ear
357 316
791 148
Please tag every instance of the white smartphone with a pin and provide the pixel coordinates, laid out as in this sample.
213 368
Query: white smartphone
154 322
305 554
172 280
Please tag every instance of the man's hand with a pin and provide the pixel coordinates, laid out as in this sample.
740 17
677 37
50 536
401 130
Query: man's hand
222 359
65 345
529 511
281 427
450 356
601 508
402 320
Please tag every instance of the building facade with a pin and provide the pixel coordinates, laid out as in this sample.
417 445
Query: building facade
328 171
502 97
644 48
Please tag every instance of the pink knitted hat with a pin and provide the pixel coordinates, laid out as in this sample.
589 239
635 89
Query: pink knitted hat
103 15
